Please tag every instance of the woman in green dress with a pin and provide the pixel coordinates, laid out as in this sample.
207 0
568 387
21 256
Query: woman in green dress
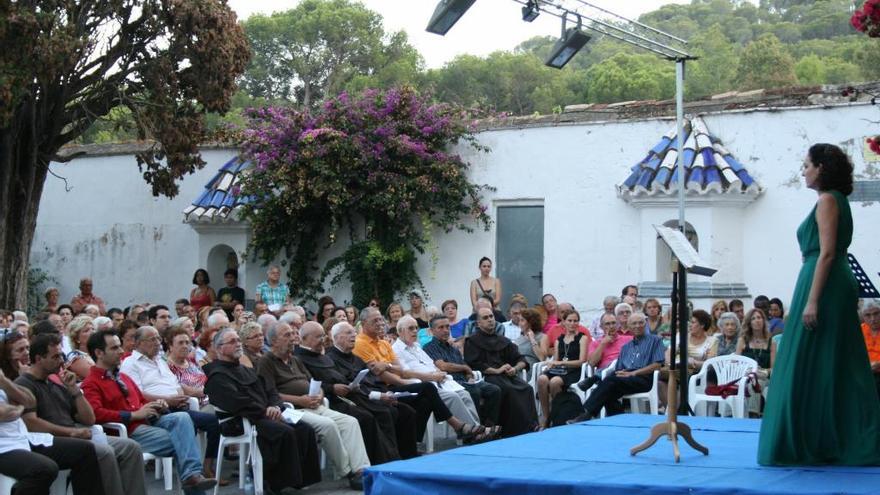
822 407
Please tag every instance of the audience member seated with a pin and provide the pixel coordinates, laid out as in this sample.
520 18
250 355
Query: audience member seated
511 328
290 452
339 434
565 368
552 336
531 338
654 314
85 297
551 312
183 365
871 332
603 352
14 357
62 411
756 343
729 327
114 397
349 366
719 307
78 331
154 378
738 308
251 335
34 459
160 319
456 325
608 305
448 358
700 347
638 360
776 315
383 362
416 363
500 362
375 418
622 312
126 335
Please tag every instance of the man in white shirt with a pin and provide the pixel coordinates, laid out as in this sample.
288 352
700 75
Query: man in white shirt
511 327
153 376
415 360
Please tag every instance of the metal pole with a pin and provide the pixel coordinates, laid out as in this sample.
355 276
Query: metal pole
683 316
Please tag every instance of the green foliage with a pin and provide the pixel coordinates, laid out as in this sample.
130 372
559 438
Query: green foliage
636 77
38 280
764 63
321 46
377 163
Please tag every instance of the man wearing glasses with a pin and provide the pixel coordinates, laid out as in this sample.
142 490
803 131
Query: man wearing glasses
290 452
116 398
604 351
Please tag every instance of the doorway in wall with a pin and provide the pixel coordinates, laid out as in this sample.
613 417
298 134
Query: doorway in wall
520 252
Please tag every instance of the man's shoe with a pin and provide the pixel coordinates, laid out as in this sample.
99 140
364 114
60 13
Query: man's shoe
588 382
198 482
356 481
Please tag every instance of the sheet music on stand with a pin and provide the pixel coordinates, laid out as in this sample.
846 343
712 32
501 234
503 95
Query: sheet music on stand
684 251
866 288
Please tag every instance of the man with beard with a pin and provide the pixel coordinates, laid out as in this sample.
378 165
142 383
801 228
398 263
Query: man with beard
290 452
375 417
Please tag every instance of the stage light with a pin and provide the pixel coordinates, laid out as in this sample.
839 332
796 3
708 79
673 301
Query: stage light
446 14
531 11
572 40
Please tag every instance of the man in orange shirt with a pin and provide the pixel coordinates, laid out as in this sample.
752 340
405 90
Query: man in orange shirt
421 396
871 331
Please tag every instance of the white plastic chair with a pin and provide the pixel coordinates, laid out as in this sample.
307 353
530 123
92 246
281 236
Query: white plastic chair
59 486
729 368
586 372
248 453
164 465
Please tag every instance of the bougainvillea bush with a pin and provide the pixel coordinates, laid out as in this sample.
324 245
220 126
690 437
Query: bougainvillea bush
377 166
867 19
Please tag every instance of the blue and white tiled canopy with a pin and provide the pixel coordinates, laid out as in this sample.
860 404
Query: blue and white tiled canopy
710 166
220 198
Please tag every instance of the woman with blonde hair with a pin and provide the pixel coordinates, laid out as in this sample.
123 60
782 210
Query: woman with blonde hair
78 360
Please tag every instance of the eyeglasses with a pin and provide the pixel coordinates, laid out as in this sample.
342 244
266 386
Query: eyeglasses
231 341
487 317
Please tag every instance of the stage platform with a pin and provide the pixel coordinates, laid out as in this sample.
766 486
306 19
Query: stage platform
593 458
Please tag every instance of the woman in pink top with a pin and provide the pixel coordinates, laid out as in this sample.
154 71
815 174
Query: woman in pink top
552 310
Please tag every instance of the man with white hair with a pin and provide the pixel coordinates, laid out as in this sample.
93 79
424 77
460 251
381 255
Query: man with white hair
372 393
871 332
102 323
608 304
383 362
375 417
217 321
18 315
290 451
86 297
420 365
292 318
622 312
339 434
638 360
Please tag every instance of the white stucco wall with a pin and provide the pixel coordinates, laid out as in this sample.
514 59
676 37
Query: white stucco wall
136 246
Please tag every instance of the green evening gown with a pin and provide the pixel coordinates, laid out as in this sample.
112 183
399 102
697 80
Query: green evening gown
822 406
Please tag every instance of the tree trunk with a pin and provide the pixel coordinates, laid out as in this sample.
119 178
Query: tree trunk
23 171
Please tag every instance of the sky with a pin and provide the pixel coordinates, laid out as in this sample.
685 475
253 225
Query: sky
488 26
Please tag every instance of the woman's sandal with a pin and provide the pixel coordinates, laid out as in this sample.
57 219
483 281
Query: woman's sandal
469 431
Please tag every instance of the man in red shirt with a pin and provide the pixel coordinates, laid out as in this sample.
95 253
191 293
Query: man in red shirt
116 398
